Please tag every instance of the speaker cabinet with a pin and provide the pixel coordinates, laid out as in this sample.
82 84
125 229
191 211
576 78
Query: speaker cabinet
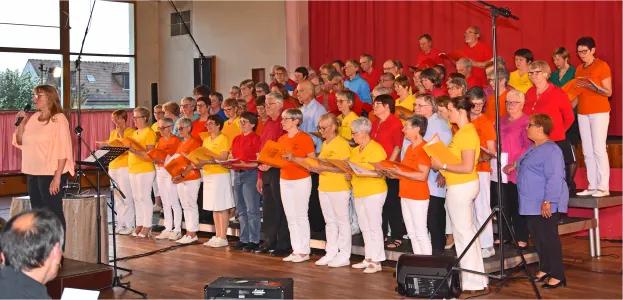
420 275
254 288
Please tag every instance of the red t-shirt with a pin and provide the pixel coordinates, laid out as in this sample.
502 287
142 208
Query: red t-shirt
246 147
554 102
371 78
388 133
415 189
480 52
423 60
198 127
251 107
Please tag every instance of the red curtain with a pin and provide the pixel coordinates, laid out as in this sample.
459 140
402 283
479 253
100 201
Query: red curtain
345 29
96 124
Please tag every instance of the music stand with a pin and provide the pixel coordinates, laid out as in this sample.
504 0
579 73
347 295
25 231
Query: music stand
100 160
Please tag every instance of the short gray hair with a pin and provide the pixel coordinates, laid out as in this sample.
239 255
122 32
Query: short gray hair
465 62
276 96
167 121
294 114
186 122
361 124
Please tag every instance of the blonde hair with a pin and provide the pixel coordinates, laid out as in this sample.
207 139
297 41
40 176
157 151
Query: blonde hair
541 64
54 101
331 118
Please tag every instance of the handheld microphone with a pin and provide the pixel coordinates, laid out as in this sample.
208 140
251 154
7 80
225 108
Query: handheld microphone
19 120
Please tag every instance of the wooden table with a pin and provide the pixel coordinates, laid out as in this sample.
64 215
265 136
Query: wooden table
596 203
81 233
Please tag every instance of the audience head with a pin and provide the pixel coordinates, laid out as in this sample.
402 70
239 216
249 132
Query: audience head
184 127
188 106
523 57
361 128
165 126
415 127
274 104
171 110
280 88
430 79
560 57
248 122
281 75
119 117
300 73
381 90
141 116
32 242
351 68
291 119
464 66
328 125
325 70
247 89
305 92
387 80
441 72
216 101
383 106
47 99
502 77
262 89
389 66
441 103
158 112
242 106
539 72
215 123
477 97
230 107
338 65
424 105
366 62
515 101
402 86
234 92
260 105
203 104
456 87
471 35
426 42
585 47
345 100
459 110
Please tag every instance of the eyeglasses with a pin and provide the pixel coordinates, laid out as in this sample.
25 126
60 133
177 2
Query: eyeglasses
453 87
201 105
243 122
321 129
187 105
180 128
532 125
210 124
535 72
478 103
512 102
38 95
582 52
163 128
229 108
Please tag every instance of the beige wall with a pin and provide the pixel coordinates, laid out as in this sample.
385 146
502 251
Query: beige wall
242 36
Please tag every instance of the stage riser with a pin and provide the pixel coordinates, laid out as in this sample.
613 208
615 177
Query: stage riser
80 275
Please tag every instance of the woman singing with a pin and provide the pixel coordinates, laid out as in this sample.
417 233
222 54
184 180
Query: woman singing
47 158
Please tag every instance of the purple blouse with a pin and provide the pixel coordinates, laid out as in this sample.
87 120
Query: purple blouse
515 140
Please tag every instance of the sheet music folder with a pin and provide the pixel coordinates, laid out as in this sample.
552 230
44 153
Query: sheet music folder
105 155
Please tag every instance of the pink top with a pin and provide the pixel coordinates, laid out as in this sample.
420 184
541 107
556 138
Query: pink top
514 140
44 144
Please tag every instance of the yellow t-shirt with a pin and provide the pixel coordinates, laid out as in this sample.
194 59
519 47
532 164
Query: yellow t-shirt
519 82
136 164
466 138
155 128
407 103
122 160
345 122
231 129
367 186
337 148
216 145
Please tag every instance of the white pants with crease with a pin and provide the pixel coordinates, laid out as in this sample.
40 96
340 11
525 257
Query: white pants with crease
123 207
335 210
295 199
188 191
594 132
170 201
370 215
141 193
482 209
415 214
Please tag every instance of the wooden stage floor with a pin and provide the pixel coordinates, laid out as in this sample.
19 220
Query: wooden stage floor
183 272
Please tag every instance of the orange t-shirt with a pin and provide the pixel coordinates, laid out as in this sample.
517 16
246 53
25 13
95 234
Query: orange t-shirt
168 145
415 189
300 146
490 106
198 127
186 147
590 102
486 132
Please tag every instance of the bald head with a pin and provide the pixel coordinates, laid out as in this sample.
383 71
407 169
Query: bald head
305 91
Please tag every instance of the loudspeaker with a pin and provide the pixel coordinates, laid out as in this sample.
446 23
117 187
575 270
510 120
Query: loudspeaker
256 288
154 94
419 276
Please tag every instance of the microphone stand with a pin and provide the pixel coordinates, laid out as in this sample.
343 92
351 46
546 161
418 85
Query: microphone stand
192 38
502 220
78 130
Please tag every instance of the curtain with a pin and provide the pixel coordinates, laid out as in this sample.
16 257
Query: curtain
390 29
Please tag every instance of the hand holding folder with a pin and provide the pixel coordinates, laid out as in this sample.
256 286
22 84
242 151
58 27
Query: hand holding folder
272 154
389 168
436 149
201 155
157 155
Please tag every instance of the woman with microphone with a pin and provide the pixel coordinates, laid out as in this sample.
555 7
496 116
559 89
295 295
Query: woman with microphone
47 158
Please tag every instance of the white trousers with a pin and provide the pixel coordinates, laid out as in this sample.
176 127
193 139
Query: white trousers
370 215
154 187
415 214
295 199
482 209
141 192
188 191
335 210
123 207
170 201
460 200
594 132
448 221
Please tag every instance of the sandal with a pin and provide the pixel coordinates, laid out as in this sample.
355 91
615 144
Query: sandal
393 244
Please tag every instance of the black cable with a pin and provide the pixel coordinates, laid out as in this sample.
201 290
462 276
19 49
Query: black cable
166 249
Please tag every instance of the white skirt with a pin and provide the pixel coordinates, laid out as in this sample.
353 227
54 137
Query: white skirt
217 192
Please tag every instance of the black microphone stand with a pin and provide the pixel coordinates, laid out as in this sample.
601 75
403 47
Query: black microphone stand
502 219
192 38
114 187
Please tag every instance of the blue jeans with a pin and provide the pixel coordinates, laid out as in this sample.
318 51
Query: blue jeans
247 205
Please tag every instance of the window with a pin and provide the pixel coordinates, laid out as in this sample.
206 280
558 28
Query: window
177 23
30 52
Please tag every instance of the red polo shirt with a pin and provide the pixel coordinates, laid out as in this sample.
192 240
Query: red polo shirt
371 78
554 102
388 133
246 147
480 52
428 60
251 107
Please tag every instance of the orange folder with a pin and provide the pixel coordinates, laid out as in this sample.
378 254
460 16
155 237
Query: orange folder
436 149
390 165
176 166
157 155
572 90
272 155
201 153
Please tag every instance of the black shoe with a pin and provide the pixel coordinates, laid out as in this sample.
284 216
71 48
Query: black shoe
553 286
263 250
251 247
281 252
239 245
542 278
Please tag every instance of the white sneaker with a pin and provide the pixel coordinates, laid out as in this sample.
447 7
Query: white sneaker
586 193
488 252
288 258
362 265
210 241
300 258
339 262
601 193
219 242
187 240
324 260
164 235
373 268
126 230
175 235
